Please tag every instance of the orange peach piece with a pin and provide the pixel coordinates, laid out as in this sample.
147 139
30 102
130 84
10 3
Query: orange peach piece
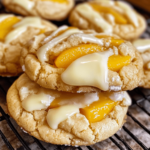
120 19
94 112
99 109
42 31
116 42
7 25
71 54
64 97
116 62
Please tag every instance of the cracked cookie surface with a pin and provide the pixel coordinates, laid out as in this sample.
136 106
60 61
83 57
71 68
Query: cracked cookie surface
48 9
73 131
10 52
127 31
47 75
143 46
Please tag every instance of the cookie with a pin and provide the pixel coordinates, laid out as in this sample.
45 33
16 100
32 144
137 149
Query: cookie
143 46
42 113
48 9
73 60
110 17
14 33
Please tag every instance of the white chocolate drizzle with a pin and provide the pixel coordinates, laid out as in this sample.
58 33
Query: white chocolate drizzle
89 38
64 27
89 13
79 99
4 16
129 12
23 68
26 4
37 102
142 45
85 38
22 26
57 115
41 53
89 70
106 1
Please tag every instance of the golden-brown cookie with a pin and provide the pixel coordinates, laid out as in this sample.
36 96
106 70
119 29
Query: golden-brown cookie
49 58
14 33
143 46
75 129
48 9
110 17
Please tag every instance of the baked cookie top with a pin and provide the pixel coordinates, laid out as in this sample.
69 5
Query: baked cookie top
48 9
73 60
15 31
110 17
143 46
66 118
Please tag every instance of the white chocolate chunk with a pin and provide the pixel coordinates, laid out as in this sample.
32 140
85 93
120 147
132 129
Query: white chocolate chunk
89 13
22 26
142 45
78 99
89 70
57 115
23 68
37 102
129 12
26 4
41 53
110 18
117 96
89 38
4 16
128 100
106 1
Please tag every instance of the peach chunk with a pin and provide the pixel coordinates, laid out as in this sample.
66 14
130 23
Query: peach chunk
120 19
42 31
7 25
94 112
116 42
71 54
115 62
99 109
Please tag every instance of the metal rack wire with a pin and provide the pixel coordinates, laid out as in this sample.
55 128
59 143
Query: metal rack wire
138 96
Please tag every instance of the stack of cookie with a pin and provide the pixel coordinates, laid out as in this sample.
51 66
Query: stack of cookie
73 90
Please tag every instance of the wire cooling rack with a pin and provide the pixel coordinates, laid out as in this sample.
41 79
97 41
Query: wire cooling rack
134 135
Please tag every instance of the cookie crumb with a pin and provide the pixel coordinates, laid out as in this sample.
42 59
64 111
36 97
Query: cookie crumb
115 88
